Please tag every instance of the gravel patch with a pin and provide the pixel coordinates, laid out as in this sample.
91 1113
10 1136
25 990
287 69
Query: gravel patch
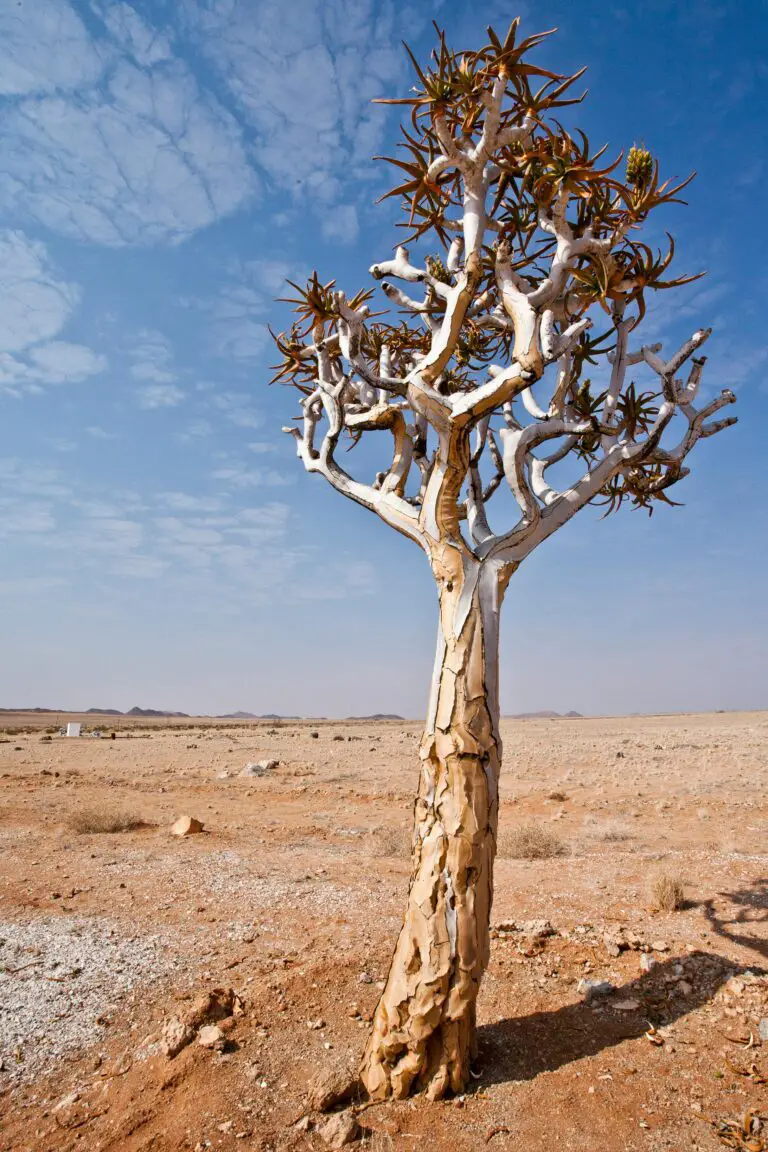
60 980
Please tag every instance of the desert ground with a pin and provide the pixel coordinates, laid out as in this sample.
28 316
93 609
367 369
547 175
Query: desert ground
292 898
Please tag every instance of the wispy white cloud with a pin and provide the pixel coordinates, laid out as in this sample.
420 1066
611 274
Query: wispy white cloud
237 323
25 66
236 318
237 408
183 502
241 477
340 223
139 155
152 356
146 45
35 305
303 75
159 396
262 447
195 431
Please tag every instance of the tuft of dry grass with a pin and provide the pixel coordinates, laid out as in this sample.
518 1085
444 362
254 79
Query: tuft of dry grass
561 797
608 831
531 842
668 893
392 842
93 821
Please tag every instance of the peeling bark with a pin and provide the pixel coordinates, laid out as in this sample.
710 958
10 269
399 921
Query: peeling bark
423 1029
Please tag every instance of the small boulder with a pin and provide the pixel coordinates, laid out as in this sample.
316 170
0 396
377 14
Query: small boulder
331 1087
259 767
538 929
591 989
611 944
67 1101
186 826
763 1027
211 1036
340 1130
175 1036
216 1005
647 962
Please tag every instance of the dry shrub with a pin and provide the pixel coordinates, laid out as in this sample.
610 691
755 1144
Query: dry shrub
392 842
92 821
668 893
531 842
559 796
609 831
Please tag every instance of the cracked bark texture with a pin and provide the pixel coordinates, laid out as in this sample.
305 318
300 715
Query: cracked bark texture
423 1028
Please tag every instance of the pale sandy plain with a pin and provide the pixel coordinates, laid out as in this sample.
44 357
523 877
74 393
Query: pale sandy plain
295 892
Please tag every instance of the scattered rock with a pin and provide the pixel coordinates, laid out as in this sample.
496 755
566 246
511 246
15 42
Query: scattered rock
67 1101
330 1088
647 962
259 767
186 826
216 1005
305 1124
340 1130
364 978
626 1005
538 929
590 989
660 946
175 1036
612 944
213 1006
763 1029
211 1036
684 988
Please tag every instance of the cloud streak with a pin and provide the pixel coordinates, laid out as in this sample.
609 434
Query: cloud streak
139 155
35 306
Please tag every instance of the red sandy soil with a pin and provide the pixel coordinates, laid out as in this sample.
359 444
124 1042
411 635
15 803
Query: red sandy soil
296 888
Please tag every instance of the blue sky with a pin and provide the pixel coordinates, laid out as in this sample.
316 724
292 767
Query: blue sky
165 166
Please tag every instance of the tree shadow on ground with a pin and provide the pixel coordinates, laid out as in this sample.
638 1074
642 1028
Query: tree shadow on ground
752 908
521 1048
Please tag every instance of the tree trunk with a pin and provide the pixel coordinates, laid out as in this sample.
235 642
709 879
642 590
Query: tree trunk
423 1029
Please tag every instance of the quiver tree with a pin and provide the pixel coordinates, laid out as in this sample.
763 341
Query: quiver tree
509 360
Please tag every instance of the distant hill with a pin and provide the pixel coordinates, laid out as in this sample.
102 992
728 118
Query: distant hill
378 716
240 716
152 712
103 712
546 714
